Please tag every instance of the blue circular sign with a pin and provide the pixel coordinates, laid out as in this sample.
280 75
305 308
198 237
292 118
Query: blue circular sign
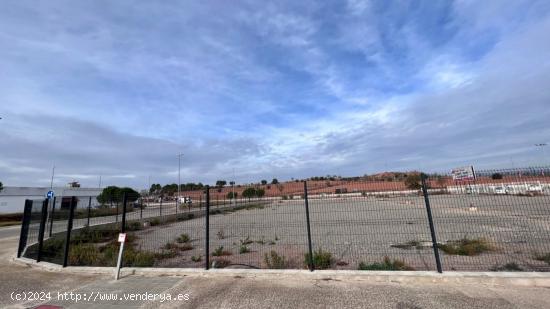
50 194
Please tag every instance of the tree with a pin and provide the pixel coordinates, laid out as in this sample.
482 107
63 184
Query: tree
169 189
413 181
232 183
155 188
496 176
110 194
1 186
131 194
260 192
274 181
114 194
221 183
264 182
232 195
249 192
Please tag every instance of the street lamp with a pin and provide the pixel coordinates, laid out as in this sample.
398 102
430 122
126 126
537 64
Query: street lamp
179 180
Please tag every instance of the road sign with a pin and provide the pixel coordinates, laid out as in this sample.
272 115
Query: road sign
464 173
50 194
122 237
121 240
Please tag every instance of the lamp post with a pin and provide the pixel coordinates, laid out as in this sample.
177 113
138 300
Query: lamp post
179 180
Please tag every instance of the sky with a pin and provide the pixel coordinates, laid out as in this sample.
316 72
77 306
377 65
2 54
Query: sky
252 90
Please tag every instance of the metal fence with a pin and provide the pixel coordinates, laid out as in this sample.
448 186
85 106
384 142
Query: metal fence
499 221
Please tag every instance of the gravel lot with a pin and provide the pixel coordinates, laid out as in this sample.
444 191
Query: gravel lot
365 228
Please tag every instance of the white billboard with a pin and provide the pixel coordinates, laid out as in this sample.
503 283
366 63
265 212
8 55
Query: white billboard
463 173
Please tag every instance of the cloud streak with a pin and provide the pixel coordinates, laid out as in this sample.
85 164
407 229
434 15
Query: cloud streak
276 90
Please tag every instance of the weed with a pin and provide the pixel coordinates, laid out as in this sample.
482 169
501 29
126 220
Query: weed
247 241
275 261
465 246
186 247
165 254
321 259
134 226
84 255
243 249
196 258
143 259
220 252
171 246
409 245
272 242
342 263
387 264
184 238
220 234
220 263
543 257
507 267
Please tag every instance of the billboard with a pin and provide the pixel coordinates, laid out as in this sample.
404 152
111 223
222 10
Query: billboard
463 173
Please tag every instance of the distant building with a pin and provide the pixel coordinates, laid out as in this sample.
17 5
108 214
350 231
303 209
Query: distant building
12 199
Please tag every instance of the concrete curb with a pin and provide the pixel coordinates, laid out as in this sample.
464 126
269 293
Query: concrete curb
525 279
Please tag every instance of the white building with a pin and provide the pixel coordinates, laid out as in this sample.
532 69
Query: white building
12 199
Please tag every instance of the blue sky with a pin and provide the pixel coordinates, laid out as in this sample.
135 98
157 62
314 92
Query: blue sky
269 89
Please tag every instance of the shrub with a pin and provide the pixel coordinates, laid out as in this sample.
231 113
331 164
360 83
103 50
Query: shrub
465 246
143 259
507 267
321 259
543 257
220 263
134 226
171 246
186 247
84 255
409 245
165 254
220 252
196 258
275 261
247 241
183 238
387 264
243 249
154 222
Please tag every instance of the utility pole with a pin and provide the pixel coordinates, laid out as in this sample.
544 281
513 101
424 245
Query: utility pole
99 182
53 173
179 180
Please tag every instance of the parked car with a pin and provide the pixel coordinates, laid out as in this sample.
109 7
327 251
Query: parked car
501 190
534 188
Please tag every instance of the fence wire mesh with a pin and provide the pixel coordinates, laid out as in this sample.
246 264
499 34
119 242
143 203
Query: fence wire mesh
499 221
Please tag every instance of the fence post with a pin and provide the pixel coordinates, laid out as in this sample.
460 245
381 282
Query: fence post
160 207
24 227
69 229
207 215
124 205
311 266
89 210
116 219
141 208
431 221
52 214
41 229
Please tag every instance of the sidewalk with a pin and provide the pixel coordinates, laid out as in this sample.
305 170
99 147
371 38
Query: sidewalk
243 291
